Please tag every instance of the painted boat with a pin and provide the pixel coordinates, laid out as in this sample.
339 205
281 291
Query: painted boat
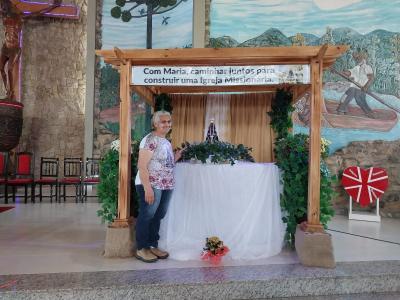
385 119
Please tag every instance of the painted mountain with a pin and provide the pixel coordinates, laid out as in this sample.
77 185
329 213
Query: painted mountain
272 37
223 42
383 48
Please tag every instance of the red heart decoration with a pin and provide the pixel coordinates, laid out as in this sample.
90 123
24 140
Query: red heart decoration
365 186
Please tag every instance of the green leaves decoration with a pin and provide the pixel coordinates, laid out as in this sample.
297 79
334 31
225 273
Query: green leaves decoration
163 102
107 189
280 113
291 154
219 152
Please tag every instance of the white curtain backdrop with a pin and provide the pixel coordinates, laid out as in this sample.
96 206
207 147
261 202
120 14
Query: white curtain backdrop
218 109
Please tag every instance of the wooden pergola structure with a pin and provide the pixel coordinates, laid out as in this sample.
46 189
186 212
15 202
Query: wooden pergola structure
317 57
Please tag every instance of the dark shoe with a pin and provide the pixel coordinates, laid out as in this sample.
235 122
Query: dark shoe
161 254
145 255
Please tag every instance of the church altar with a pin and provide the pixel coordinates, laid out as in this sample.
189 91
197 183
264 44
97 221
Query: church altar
240 204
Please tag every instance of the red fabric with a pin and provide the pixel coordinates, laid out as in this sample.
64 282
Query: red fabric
5 208
2 180
48 180
20 181
24 164
91 180
2 164
365 186
71 180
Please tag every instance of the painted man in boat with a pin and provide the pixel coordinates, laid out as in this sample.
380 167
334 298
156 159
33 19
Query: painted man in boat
362 77
346 115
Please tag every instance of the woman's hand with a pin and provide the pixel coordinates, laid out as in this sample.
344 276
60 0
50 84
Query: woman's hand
178 154
149 196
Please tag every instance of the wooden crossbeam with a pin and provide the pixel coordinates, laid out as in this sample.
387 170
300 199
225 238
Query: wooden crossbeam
322 51
220 89
226 56
120 55
145 93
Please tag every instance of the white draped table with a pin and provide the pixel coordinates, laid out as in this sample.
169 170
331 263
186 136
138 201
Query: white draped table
239 204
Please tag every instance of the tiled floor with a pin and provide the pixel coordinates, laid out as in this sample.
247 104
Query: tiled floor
68 237
365 241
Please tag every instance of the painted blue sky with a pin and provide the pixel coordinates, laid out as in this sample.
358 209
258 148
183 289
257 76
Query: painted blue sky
243 20
177 33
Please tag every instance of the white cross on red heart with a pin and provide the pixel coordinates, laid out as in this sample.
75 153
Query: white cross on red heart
365 186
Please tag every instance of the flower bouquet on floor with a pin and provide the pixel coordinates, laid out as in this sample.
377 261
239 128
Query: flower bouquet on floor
214 250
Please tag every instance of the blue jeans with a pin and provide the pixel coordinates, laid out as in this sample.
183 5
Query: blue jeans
150 216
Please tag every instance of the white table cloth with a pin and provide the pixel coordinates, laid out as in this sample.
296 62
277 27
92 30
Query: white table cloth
239 204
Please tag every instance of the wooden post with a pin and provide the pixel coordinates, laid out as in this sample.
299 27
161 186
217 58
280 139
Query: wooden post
314 176
124 182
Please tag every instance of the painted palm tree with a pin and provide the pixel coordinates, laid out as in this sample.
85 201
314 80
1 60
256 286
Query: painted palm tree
127 10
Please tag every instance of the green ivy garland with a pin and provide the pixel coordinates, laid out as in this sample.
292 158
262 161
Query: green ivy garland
280 114
163 102
218 152
107 189
291 154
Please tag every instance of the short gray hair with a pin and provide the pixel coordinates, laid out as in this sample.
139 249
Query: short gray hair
156 116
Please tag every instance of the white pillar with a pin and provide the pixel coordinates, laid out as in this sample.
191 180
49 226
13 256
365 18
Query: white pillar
90 70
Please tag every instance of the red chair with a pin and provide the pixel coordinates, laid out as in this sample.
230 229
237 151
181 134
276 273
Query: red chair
92 175
3 173
49 167
23 176
73 169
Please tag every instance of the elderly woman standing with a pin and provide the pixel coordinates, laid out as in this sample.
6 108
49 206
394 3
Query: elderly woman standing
154 183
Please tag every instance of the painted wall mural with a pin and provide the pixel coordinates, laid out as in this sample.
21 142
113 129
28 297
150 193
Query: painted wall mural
362 90
124 25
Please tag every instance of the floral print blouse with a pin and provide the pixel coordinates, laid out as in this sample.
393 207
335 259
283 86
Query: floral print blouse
161 165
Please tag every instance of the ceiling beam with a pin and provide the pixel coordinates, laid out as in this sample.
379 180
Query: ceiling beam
225 56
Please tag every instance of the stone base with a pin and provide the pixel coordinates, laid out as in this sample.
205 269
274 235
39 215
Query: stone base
314 249
120 242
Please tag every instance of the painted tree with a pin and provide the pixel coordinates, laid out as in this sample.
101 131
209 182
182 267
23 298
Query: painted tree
396 55
127 10
327 38
373 49
298 40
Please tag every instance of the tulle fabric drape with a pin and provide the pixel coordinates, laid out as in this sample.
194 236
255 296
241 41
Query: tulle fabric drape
239 204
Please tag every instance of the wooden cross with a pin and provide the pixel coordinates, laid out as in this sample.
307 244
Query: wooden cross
13 13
